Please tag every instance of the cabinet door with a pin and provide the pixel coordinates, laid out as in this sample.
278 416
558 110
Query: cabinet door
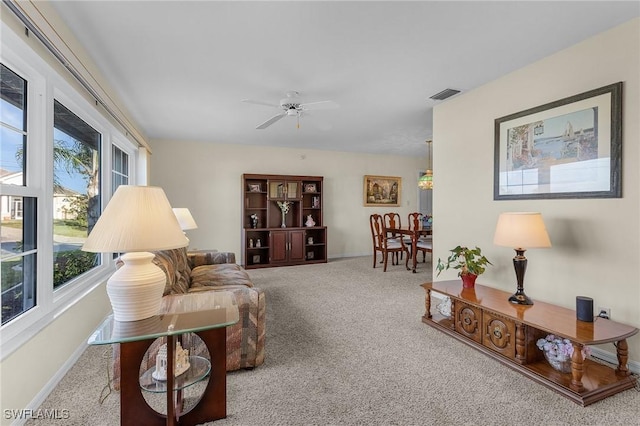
278 246
468 320
296 245
499 334
284 190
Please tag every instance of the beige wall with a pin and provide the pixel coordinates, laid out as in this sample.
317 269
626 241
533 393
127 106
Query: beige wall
29 371
206 178
596 242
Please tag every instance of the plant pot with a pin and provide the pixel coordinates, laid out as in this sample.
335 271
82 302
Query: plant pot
468 280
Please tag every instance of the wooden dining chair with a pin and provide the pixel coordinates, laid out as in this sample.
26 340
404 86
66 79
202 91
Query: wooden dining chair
424 244
381 242
392 220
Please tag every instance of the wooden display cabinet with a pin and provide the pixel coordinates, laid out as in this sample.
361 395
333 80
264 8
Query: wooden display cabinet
267 239
483 318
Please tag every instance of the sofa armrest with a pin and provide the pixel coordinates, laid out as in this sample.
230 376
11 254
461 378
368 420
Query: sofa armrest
210 257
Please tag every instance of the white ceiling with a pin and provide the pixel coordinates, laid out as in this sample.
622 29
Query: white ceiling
183 67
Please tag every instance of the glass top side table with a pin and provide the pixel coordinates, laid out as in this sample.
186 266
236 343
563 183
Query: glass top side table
206 314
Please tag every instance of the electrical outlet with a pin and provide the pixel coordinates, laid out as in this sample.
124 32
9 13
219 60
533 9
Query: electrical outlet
604 313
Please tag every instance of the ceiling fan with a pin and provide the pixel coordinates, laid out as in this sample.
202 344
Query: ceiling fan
292 106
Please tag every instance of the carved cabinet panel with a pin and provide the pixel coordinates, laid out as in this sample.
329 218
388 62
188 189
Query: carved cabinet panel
468 321
499 334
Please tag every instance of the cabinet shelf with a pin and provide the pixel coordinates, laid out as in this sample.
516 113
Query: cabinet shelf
199 369
282 246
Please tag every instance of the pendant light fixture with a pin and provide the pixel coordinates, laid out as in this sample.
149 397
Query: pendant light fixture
426 181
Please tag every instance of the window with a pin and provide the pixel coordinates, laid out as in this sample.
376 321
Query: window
120 168
59 164
18 213
76 193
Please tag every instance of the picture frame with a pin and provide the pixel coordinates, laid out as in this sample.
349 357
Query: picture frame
255 187
570 148
382 191
256 259
310 255
310 187
315 202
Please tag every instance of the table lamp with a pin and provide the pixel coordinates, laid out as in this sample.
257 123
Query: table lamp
521 231
137 220
185 219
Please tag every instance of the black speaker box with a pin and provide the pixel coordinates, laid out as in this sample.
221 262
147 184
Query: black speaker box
584 308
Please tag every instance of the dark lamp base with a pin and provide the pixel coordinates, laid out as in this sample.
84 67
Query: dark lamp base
520 298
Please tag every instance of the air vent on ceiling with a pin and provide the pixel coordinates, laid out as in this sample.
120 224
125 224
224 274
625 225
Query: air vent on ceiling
446 93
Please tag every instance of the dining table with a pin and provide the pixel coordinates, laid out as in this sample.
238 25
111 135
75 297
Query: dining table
414 233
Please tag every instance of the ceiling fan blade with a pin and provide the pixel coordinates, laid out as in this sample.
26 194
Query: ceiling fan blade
270 121
251 101
320 105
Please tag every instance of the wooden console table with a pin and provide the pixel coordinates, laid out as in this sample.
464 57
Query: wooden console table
484 318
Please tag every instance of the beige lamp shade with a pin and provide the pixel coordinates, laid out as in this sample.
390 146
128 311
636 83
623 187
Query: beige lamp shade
185 219
138 218
521 230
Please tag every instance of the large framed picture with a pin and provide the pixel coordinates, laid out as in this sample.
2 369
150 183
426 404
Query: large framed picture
570 148
382 191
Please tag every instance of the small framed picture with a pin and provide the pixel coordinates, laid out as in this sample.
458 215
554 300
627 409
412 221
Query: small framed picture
310 255
310 187
315 202
254 187
256 258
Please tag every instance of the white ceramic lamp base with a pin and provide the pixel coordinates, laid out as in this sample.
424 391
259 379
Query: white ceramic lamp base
135 290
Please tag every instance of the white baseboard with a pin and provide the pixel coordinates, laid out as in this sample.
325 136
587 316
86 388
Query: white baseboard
612 358
38 400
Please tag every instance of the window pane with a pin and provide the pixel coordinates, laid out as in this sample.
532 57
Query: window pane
76 193
18 231
13 119
120 168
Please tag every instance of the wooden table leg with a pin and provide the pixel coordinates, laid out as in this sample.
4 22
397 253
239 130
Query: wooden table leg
213 403
134 409
427 305
576 368
622 351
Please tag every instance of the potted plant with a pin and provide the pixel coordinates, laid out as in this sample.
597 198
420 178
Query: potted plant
470 263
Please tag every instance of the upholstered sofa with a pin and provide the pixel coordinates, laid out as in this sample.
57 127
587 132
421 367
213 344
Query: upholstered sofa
197 271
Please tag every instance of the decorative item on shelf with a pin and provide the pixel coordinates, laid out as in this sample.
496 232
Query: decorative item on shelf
137 220
256 258
470 262
310 240
180 365
258 243
444 307
284 208
315 202
310 255
520 231
558 352
426 180
310 187
254 187
250 242
310 222
254 220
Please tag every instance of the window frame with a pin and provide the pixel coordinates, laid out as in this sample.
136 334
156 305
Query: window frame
44 84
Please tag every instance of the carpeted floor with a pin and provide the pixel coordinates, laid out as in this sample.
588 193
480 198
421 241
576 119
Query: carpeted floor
345 346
